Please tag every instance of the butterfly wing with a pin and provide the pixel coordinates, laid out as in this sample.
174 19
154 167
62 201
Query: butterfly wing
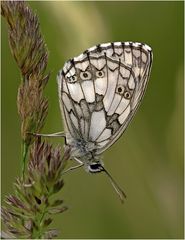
101 89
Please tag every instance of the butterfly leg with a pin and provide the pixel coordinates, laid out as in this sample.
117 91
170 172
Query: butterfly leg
58 134
73 168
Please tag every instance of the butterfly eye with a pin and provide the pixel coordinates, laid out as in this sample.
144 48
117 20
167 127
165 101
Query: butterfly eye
72 79
100 74
127 95
85 75
120 89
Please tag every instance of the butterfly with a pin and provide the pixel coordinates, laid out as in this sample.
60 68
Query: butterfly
99 93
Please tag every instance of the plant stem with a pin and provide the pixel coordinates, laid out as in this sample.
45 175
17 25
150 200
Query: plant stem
24 151
38 231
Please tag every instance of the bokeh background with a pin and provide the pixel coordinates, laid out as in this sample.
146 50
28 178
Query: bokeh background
147 161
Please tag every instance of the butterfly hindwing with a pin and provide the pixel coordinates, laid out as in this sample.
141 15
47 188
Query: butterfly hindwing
101 89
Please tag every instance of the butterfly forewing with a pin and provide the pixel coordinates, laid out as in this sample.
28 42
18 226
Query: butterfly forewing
101 89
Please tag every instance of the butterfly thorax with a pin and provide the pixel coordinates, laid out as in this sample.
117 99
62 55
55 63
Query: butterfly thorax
85 151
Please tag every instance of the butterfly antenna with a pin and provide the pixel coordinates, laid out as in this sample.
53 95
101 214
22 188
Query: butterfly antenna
116 187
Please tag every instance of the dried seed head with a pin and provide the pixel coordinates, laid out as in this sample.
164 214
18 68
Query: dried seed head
30 53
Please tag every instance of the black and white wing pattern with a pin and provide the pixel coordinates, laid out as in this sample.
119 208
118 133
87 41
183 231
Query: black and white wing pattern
101 89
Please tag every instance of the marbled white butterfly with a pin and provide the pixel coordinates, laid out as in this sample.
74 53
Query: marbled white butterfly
99 92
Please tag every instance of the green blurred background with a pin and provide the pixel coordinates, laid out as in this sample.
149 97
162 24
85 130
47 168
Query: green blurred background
147 161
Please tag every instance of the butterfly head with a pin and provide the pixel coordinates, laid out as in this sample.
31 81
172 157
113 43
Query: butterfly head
95 167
